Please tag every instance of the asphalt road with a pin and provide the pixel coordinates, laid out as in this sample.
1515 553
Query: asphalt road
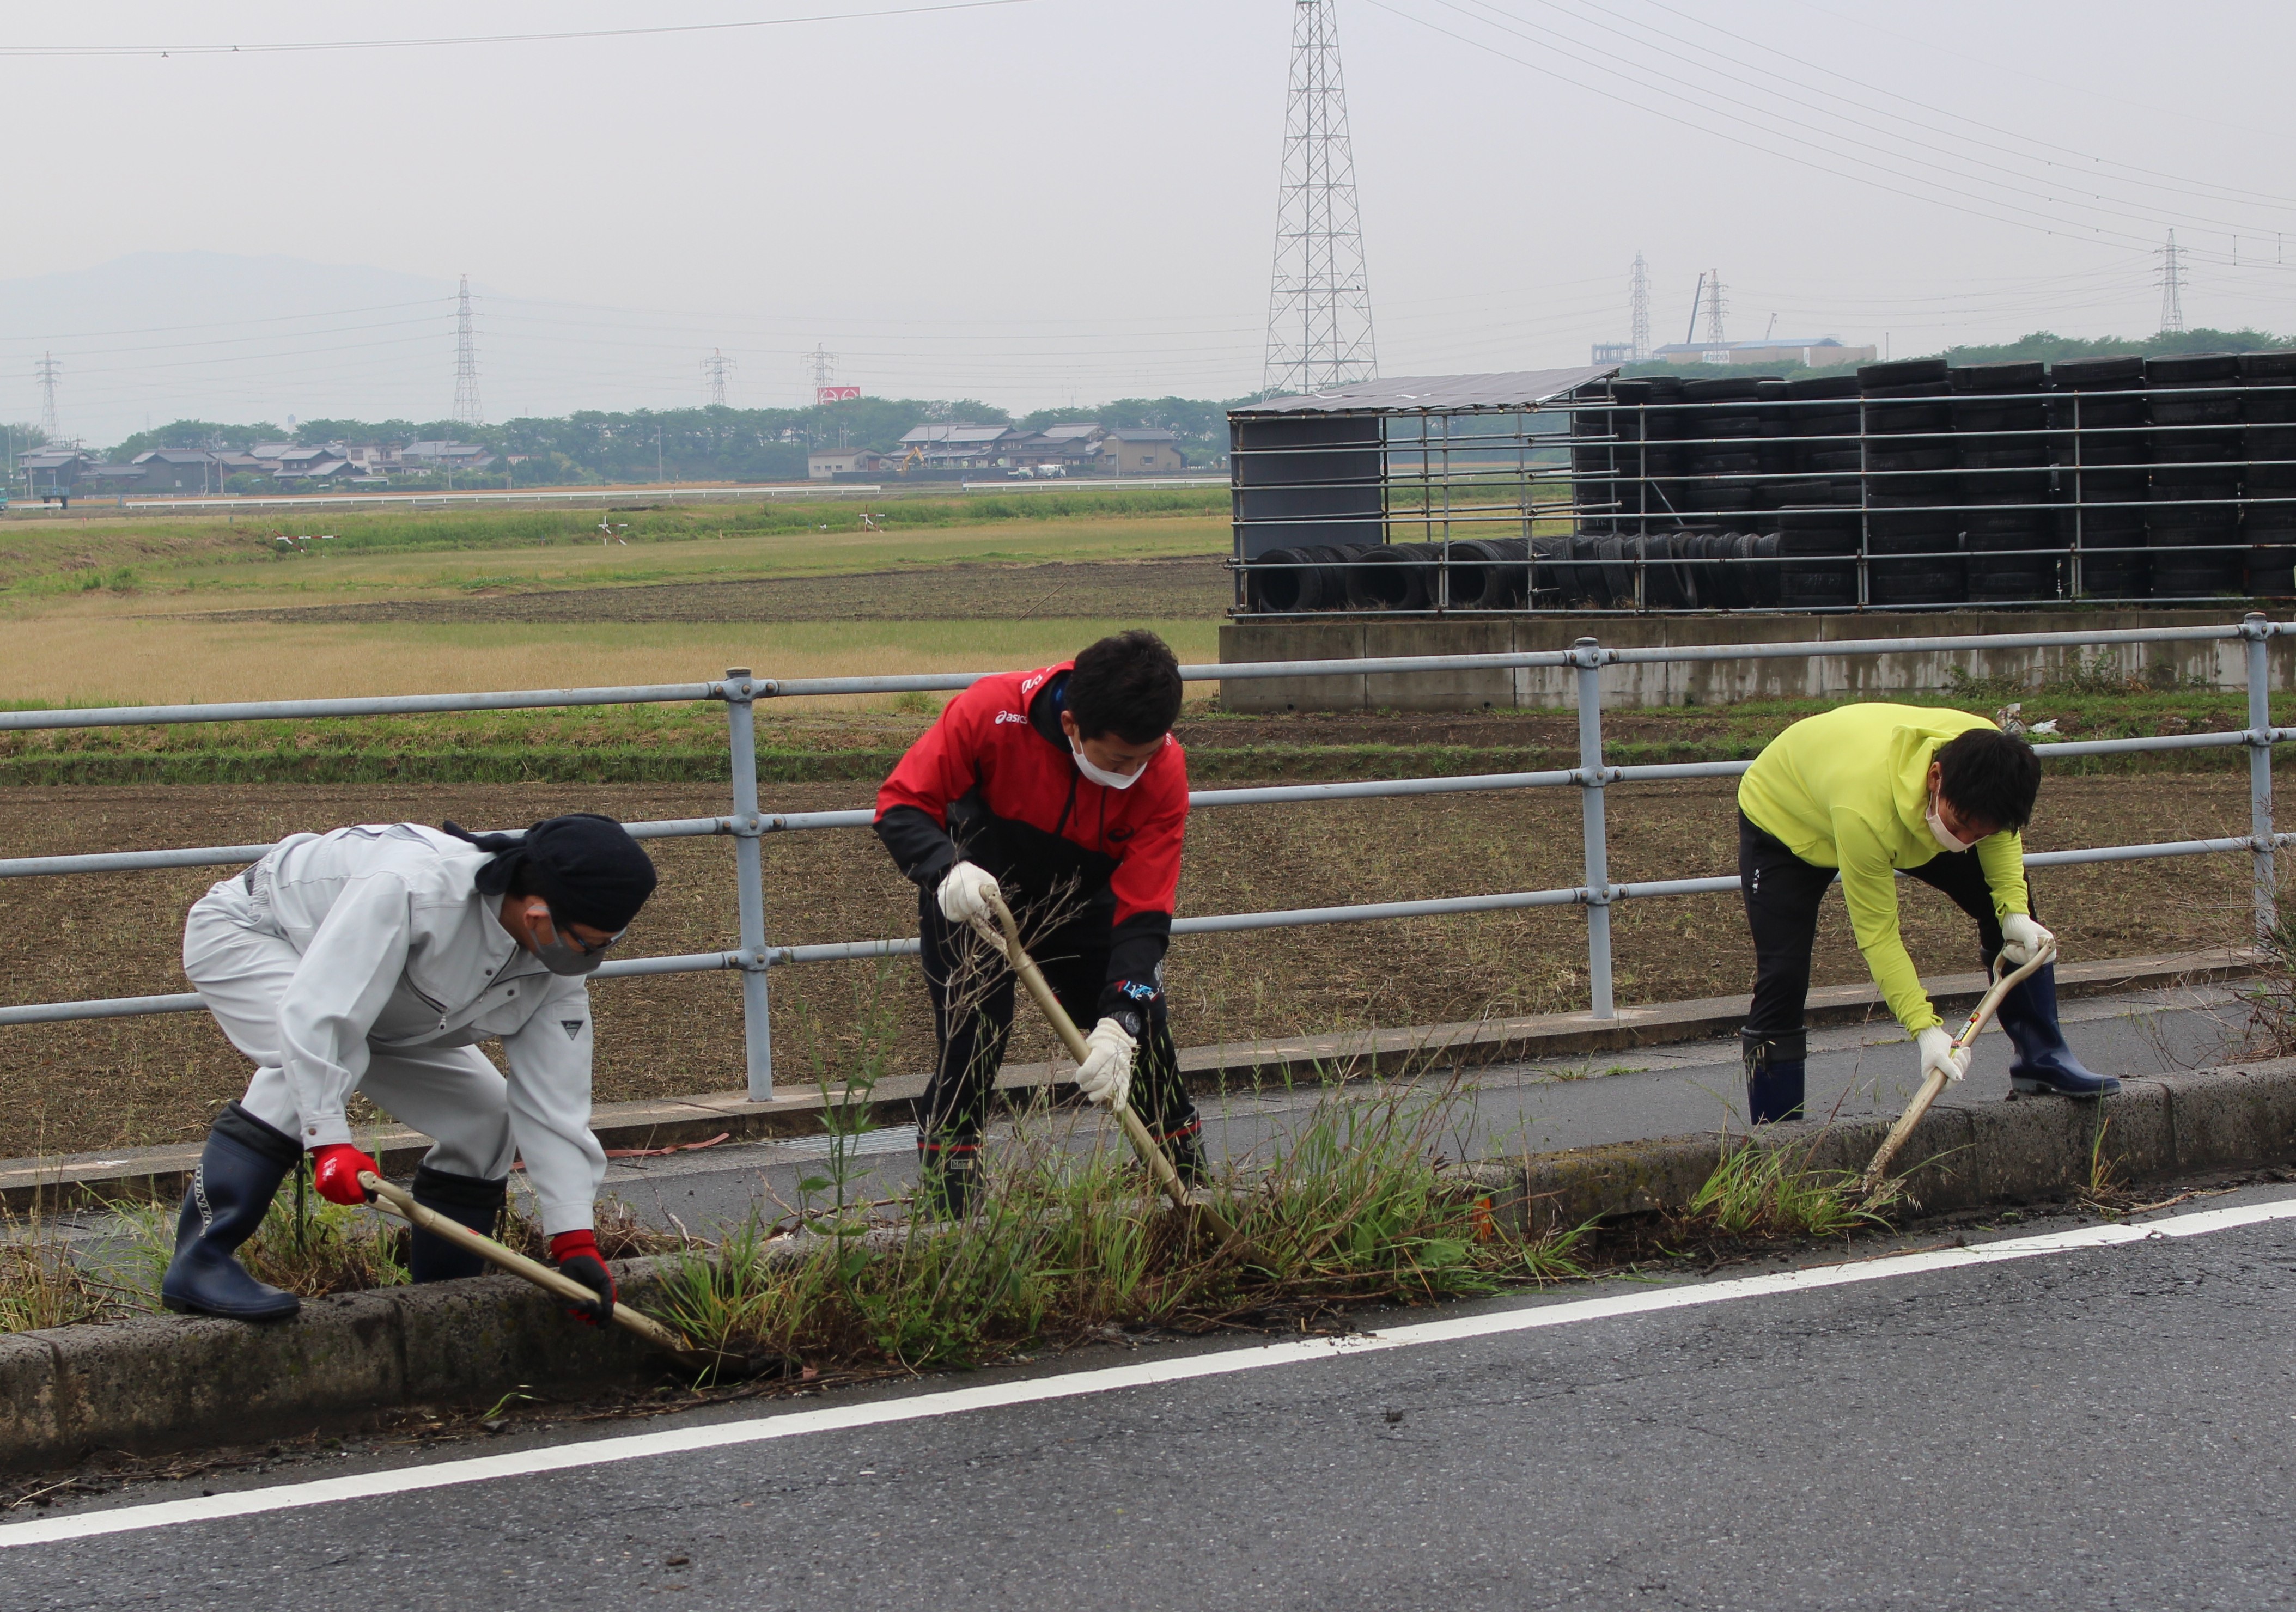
1853 1072
2105 1427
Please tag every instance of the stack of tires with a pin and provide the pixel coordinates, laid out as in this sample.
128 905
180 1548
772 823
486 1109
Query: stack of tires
1663 453
1316 577
1598 485
2008 531
2192 523
1722 440
2267 407
1910 487
2101 441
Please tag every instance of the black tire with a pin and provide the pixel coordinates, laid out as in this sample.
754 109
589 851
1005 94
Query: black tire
1725 388
2009 375
1396 576
1273 583
1902 372
2192 369
2120 371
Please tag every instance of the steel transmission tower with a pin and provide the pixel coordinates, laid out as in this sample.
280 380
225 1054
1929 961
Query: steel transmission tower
467 408
715 368
48 372
819 368
1639 290
1319 308
1715 306
2172 288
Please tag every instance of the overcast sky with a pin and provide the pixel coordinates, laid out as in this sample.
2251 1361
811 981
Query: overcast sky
1062 201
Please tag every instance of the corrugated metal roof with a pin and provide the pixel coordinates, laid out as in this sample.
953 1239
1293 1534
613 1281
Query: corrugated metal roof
1437 394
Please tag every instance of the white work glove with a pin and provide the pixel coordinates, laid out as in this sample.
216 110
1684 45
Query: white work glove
1105 1075
964 892
1938 1052
2022 940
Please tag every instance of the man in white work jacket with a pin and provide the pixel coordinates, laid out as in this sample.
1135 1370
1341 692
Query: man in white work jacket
374 959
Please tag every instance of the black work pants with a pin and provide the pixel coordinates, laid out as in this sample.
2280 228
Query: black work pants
1781 893
972 1020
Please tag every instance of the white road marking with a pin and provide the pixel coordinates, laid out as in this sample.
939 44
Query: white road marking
1021 1391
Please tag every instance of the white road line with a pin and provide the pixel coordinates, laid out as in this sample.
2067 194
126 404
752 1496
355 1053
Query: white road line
1021 1391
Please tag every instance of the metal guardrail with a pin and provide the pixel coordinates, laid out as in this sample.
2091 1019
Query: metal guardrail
747 825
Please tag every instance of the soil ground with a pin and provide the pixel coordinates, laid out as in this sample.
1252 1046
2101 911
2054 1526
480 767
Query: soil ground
134 1082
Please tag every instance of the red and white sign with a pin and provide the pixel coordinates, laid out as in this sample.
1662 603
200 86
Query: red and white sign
835 394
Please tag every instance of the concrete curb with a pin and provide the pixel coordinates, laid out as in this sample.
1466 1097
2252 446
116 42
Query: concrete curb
163 1173
169 1381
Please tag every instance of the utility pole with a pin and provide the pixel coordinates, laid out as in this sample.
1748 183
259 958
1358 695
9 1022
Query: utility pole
2172 288
1715 306
657 476
1638 295
1319 331
715 368
467 408
49 371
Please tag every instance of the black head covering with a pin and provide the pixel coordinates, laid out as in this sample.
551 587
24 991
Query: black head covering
584 864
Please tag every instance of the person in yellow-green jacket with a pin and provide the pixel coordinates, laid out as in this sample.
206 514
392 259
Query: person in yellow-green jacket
1870 791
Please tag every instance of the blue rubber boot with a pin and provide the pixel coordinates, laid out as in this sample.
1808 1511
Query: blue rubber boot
239 1169
1775 1067
467 1200
2044 1066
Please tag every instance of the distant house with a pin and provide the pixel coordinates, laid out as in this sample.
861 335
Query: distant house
1818 352
121 478
1071 446
52 474
177 471
822 464
373 458
443 456
236 464
960 447
1141 452
330 471
266 455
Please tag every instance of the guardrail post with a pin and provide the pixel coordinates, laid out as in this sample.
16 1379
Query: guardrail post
1586 655
740 694
2255 631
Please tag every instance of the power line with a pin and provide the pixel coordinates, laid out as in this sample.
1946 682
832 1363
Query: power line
1715 307
1319 330
455 39
467 408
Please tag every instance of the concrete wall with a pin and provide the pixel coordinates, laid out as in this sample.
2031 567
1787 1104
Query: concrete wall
1816 675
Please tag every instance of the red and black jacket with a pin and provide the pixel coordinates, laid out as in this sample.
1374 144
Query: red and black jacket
993 782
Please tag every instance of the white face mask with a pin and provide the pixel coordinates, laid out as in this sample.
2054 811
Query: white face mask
1938 833
1102 776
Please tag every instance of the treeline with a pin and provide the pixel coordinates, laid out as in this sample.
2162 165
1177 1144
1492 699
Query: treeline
2045 345
698 444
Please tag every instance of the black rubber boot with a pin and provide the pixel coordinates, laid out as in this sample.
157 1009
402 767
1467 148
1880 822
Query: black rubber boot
239 1169
2044 1066
1775 1069
948 1179
1187 1154
465 1199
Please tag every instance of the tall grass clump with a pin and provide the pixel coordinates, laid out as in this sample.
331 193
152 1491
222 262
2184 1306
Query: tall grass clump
1068 1244
1771 1191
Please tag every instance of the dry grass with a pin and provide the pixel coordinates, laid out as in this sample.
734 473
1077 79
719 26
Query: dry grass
162 1079
93 658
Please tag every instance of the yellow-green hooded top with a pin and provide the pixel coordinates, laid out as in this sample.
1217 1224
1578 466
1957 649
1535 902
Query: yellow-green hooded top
1849 789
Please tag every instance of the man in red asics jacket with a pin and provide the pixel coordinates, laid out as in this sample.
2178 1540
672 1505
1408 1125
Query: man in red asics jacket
1065 788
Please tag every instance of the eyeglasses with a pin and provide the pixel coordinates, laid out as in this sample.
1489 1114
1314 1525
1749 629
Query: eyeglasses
577 942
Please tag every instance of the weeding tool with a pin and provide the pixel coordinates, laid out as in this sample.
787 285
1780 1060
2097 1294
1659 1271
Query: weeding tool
402 1203
1931 1087
1152 1154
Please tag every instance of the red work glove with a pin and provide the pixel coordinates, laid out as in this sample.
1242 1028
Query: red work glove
335 1172
576 1254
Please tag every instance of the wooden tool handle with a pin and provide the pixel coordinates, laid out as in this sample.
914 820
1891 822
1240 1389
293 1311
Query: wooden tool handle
1152 1154
518 1265
1933 1087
